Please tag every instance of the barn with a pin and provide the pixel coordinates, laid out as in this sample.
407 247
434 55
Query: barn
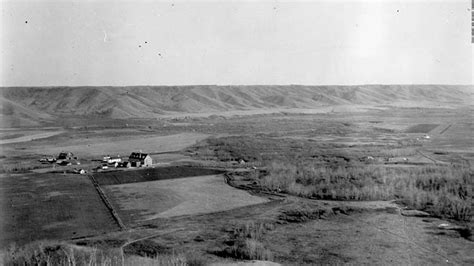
138 159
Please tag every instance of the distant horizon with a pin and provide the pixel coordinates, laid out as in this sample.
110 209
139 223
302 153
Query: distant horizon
238 85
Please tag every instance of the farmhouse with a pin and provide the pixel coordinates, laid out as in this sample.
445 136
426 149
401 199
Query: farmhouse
65 156
138 159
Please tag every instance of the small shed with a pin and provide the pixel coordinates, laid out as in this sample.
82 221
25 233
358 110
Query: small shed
113 159
80 171
64 163
125 164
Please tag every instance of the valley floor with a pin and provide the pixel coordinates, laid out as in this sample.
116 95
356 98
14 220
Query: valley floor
205 197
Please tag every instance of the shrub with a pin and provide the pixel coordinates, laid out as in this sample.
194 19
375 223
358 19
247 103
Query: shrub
304 213
250 249
246 242
195 259
57 253
440 190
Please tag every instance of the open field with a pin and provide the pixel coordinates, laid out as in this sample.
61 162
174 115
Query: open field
7 139
306 231
150 174
369 233
369 239
175 197
323 185
421 128
50 206
123 144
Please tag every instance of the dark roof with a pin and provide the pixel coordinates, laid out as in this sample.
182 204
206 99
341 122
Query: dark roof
138 155
64 155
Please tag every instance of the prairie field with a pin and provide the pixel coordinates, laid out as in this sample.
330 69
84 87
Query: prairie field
50 206
241 179
175 197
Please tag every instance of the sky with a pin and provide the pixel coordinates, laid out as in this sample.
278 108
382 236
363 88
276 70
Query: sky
119 43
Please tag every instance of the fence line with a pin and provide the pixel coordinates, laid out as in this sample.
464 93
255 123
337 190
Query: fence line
107 203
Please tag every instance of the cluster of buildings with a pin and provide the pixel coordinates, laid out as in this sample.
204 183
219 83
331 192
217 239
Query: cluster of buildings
64 158
136 159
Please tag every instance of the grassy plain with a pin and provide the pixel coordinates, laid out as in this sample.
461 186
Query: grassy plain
50 206
175 197
319 187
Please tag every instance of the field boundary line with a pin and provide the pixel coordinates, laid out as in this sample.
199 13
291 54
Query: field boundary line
107 202
427 157
444 130
147 237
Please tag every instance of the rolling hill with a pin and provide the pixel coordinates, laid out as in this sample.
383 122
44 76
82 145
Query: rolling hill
32 104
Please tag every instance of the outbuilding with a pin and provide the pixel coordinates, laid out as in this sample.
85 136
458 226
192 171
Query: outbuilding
80 171
125 164
112 159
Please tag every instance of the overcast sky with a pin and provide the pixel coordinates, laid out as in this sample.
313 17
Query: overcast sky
183 43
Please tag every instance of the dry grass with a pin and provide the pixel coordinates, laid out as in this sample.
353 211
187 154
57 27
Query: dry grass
395 152
20 167
304 213
265 149
57 253
174 197
246 242
54 253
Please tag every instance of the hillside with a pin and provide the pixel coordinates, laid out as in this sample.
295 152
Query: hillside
32 104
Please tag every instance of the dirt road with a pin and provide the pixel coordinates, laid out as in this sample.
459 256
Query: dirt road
30 137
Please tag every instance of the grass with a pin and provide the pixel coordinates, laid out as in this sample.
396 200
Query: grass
51 206
304 213
442 191
61 253
262 149
246 242
196 195
421 128
151 174
21 167
57 253
324 170
265 149
395 152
